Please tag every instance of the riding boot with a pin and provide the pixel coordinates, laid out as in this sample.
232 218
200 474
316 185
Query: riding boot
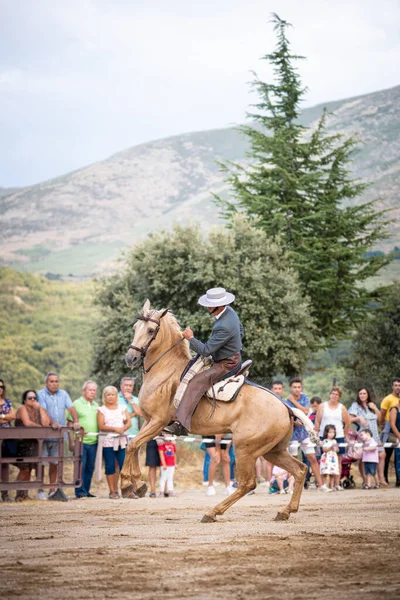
5 497
175 428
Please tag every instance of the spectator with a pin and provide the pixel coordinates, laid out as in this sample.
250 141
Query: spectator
334 413
29 414
130 403
329 464
113 419
153 462
55 402
277 388
298 399
217 455
8 447
386 405
281 481
369 458
364 414
395 429
167 452
314 405
86 408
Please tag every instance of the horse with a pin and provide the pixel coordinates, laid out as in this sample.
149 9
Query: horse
261 424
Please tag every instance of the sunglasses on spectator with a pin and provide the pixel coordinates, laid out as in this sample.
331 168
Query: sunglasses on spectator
1 386
31 397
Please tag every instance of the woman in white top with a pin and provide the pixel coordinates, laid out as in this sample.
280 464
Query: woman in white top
334 413
114 419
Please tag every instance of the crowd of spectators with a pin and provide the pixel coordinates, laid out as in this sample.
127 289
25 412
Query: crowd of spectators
108 427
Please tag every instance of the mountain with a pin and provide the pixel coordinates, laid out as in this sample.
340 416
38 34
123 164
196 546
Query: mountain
77 223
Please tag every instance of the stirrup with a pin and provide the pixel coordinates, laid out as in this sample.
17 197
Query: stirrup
175 428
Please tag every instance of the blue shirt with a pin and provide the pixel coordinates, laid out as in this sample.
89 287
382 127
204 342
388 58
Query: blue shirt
55 405
122 401
299 431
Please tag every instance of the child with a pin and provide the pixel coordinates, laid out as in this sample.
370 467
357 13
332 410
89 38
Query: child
369 458
167 452
279 478
329 465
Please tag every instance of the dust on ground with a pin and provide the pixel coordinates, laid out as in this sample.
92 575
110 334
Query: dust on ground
339 545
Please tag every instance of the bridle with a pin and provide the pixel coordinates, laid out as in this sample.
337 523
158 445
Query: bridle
144 349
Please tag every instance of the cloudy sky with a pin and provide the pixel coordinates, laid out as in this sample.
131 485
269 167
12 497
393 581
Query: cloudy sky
82 79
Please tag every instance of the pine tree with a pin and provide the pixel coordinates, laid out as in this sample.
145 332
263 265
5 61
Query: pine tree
299 187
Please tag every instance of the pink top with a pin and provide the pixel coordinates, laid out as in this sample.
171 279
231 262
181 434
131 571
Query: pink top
372 455
113 418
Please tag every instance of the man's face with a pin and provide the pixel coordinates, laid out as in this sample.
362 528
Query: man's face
296 389
277 388
90 391
52 384
127 387
396 388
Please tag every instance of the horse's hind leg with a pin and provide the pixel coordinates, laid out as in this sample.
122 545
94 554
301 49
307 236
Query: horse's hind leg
245 467
281 458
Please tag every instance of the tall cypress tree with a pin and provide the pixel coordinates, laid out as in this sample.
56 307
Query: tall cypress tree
298 187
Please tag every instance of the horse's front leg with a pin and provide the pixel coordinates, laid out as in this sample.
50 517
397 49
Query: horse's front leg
131 477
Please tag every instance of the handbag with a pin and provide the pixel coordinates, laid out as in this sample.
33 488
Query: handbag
392 439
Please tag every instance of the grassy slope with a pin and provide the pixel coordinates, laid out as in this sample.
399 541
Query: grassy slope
44 326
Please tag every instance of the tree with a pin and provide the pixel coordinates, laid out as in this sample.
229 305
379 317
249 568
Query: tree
174 268
299 187
375 353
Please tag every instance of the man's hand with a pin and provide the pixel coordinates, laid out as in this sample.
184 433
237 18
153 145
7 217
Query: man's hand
55 425
187 333
76 426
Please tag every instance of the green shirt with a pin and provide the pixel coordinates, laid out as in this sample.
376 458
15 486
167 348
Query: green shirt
87 417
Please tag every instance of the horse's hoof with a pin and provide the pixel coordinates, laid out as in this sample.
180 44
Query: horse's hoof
128 491
141 492
281 516
208 519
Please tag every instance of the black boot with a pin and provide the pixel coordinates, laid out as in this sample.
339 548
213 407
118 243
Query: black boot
175 428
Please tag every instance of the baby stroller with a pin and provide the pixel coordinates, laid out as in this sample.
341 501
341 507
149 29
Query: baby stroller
352 455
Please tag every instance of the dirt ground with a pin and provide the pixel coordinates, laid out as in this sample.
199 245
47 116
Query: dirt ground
340 545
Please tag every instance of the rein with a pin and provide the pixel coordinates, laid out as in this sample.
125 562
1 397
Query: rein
144 349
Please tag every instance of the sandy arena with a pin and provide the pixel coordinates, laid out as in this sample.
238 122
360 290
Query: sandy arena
340 545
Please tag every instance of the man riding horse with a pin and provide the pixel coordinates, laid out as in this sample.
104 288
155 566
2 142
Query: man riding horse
224 347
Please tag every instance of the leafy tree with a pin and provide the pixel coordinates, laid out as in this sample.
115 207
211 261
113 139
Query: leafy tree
299 187
375 354
44 326
174 268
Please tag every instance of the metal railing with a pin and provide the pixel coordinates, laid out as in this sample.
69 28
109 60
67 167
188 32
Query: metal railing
41 434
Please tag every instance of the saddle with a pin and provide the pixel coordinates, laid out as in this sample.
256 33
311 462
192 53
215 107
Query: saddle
229 386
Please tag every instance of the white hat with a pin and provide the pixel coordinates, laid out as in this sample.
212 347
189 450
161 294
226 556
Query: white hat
216 297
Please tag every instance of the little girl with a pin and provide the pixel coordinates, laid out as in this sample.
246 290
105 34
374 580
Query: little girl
167 452
280 476
329 465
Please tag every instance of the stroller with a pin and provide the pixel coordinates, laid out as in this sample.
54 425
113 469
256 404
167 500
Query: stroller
353 454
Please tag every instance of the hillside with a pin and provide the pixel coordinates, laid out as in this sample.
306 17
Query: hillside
44 326
77 223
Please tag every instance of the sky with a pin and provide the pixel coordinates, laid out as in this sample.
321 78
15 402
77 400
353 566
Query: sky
83 79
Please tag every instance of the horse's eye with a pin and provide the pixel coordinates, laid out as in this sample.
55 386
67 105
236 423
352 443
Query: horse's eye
151 330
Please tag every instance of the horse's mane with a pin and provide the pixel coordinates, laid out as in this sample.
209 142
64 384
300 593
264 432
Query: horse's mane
172 323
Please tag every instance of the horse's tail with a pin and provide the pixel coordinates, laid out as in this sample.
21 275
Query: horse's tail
308 424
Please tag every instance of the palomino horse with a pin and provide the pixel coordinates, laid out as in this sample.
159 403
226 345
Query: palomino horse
260 423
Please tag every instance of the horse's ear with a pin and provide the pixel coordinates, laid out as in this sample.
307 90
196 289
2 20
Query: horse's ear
146 307
164 312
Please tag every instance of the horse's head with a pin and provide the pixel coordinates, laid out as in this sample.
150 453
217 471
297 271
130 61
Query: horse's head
146 330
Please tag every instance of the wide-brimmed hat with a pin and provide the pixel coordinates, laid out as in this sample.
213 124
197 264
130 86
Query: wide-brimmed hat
216 297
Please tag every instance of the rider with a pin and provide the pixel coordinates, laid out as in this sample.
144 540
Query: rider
224 347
